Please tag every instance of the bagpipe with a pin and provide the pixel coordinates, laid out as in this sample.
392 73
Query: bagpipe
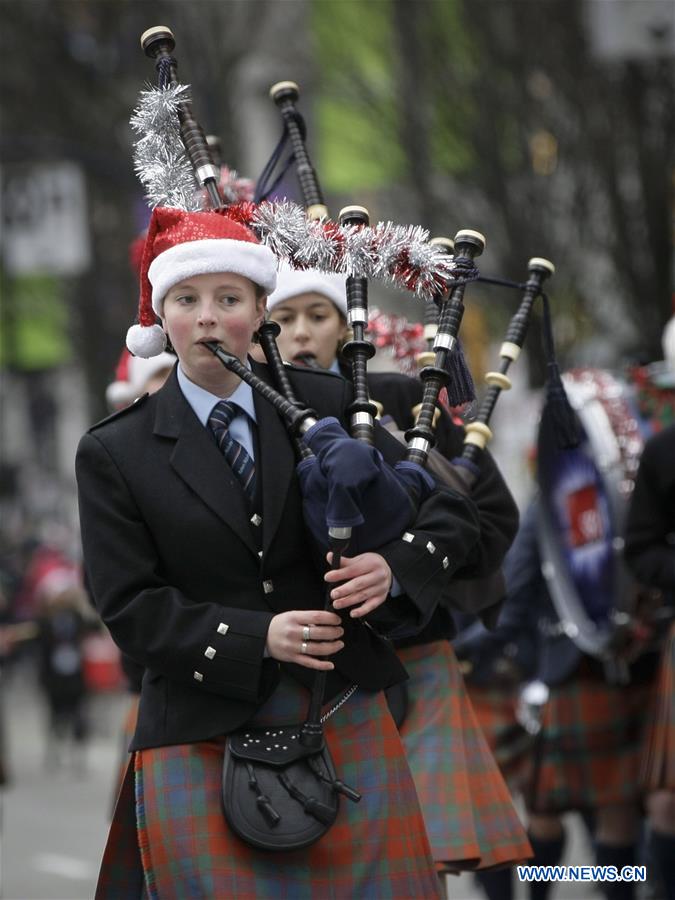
587 450
441 365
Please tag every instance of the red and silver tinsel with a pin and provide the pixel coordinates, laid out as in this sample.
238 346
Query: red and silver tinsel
404 339
398 254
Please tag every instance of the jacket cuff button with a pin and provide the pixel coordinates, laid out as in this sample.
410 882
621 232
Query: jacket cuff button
223 628
210 652
198 676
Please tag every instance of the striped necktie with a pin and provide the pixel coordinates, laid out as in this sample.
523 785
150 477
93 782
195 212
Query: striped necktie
236 456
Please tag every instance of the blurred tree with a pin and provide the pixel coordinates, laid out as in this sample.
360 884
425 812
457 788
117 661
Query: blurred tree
71 75
501 117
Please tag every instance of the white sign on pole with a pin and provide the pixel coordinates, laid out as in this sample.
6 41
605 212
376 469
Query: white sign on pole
631 29
44 219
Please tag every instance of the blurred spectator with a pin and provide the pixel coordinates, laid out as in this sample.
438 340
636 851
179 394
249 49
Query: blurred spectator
63 619
650 554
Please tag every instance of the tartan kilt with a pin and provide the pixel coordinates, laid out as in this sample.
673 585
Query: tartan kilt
377 847
657 770
587 754
126 736
509 743
470 817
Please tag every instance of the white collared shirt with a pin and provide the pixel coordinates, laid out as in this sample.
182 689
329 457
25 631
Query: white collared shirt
203 402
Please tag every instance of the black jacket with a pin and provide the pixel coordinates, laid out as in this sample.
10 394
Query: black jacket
650 526
172 560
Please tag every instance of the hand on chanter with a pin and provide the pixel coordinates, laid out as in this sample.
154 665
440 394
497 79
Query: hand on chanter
366 582
305 637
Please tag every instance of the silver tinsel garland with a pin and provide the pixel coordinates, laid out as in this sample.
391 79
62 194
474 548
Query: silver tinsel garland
160 160
398 254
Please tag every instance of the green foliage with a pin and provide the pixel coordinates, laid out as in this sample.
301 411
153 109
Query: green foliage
361 52
34 324
355 101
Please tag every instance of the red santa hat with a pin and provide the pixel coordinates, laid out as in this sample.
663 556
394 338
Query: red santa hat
182 244
131 376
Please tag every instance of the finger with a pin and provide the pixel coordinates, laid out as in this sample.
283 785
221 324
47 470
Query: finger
344 560
316 651
323 648
324 633
314 617
354 599
357 583
367 607
320 665
359 588
349 563
343 574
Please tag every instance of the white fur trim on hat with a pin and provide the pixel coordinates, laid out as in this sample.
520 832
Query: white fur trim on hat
293 282
211 255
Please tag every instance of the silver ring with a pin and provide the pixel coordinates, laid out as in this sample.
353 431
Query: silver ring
305 632
303 647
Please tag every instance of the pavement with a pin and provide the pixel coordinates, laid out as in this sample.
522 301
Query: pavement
54 813
54 819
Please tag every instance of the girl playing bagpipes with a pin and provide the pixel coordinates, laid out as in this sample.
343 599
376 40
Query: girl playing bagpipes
200 564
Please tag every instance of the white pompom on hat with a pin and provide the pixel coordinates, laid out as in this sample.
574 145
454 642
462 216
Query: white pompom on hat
182 244
293 282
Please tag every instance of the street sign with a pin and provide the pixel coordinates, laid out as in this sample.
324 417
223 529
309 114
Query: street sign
44 219
641 30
